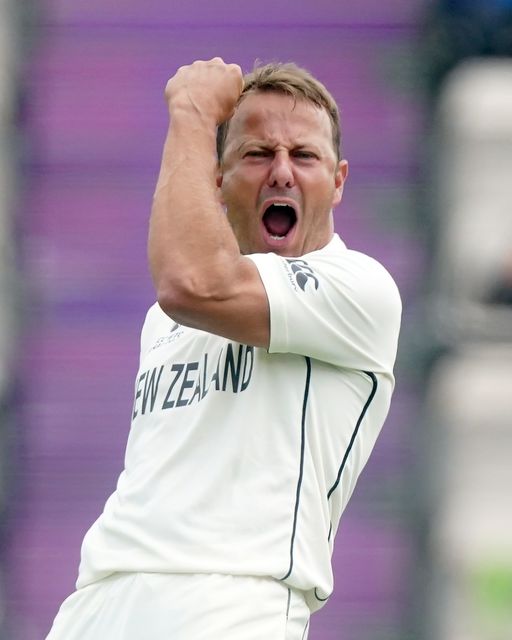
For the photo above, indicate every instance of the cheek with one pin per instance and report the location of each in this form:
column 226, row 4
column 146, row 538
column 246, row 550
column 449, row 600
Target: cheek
column 240, row 191
column 322, row 190
column 320, row 203
column 232, row 188
column 229, row 195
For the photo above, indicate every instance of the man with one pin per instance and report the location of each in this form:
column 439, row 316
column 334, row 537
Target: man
column 265, row 375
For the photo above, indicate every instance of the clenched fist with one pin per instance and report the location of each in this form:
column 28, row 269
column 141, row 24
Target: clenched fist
column 209, row 89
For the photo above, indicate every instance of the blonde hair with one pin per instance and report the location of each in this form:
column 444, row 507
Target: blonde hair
column 292, row 80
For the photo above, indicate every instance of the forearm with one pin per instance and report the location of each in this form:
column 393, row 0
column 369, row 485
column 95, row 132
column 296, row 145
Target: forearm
column 191, row 245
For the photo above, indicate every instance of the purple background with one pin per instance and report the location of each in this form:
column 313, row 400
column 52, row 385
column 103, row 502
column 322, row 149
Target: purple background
column 95, row 124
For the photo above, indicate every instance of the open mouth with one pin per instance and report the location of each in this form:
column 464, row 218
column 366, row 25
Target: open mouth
column 279, row 219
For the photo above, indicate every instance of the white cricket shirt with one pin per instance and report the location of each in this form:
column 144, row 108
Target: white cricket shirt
column 240, row 461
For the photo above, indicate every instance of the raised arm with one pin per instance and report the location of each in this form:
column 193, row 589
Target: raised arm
column 200, row 276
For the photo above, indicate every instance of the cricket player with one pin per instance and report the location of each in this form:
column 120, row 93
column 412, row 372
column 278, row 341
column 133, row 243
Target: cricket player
column 266, row 372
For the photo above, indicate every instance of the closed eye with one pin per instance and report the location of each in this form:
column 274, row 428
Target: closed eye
column 257, row 153
column 304, row 155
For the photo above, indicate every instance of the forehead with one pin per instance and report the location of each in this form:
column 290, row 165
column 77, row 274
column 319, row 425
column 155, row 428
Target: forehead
column 277, row 117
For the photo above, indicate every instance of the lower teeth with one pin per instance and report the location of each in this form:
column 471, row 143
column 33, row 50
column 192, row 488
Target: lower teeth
column 277, row 237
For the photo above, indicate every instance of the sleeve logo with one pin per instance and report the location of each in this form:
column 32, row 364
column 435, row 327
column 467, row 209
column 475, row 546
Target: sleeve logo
column 302, row 273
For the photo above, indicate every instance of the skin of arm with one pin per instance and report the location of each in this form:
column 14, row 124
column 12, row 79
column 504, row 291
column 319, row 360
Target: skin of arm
column 201, row 278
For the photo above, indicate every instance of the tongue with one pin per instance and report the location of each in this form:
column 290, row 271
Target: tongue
column 277, row 221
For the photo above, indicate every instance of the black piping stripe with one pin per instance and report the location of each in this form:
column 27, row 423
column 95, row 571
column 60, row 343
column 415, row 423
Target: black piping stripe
column 375, row 385
column 321, row 599
column 373, row 378
column 301, row 468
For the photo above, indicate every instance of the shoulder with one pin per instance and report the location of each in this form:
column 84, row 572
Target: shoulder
column 353, row 272
column 337, row 254
column 361, row 296
column 334, row 270
column 334, row 304
column 369, row 273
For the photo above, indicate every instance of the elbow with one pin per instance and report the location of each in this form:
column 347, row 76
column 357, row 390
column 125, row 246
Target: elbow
column 174, row 302
column 186, row 301
column 173, row 293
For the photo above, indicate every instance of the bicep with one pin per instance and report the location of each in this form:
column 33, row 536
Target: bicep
column 237, row 308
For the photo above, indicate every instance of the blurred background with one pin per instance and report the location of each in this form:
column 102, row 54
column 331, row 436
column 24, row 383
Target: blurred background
column 424, row 550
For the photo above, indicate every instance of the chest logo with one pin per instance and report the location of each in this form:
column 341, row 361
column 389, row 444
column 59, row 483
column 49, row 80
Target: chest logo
column 175, row 332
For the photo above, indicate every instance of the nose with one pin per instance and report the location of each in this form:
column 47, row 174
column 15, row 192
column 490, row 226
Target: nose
column 281, row 171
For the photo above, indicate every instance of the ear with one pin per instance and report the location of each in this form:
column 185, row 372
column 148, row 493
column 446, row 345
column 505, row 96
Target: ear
column 339, row 181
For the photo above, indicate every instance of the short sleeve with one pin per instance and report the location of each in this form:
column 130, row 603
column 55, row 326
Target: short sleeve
column 335, row 305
